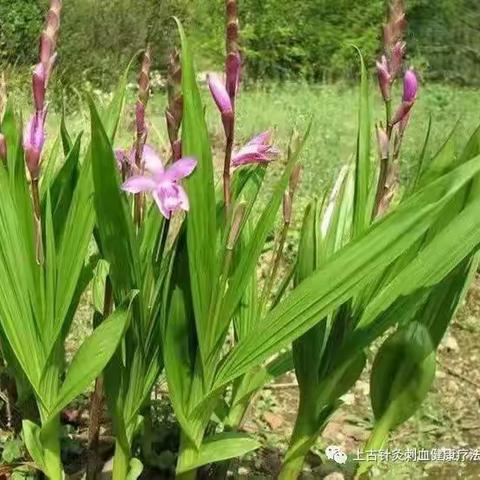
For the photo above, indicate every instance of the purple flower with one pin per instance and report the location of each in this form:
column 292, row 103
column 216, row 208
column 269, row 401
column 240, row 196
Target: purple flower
column 38, row 84
column 223, row 101
column 33, row 141
column 384, row 78
column 410, row 86
column 220, row 94
column 257, row 150
column 410, row 89
column 162, row 183
column 233, row 66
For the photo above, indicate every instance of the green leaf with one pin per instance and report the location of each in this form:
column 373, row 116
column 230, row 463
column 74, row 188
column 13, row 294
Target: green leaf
column 245, row 267
column 361, row 213
column 179, row 342
column 31, row 436
column 345, row 274
column 114, row 220
column 201, row 219
column 135, row 469
column 222, row 447
column 98, row 285
column 402, row 374
column 12, row 450
column 429, row 267
column 72, row 249
column 65, row 136
column 63, row 187
column 91, row 358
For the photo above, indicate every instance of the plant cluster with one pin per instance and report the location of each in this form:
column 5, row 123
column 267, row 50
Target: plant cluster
column 169, row 251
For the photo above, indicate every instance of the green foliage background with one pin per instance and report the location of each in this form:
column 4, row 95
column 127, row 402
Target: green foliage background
column 310, row 39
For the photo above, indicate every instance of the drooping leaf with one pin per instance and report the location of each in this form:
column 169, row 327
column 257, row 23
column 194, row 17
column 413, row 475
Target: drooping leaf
column 222, row 447
column 402, row 373
column 91, row 358
column 347, row 272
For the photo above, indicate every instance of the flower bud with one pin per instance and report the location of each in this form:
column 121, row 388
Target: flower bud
column 394, row 30
column 384, row 78
column 233, row 73
column 3, row 147
column 382, row 142
column 38, row 86
column 237, row 222
column 140, row 118
column 222, row 99
column 219, row 94
column 396, row 61
column 33, row 141
column 410, row 86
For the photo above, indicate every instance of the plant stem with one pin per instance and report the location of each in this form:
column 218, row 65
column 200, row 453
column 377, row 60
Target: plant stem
column 121, row 461
column 186, row 456
column 97, row 399
column 304, row 435
column 37, row 212
column 227, row 194
column 267, row 289
column 388, row 117
column 376, row 441
column 52, row 451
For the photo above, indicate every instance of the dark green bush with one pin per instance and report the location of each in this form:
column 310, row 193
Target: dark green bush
column 20, row 24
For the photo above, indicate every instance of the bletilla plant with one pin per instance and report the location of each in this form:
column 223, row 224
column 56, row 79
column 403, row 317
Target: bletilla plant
column 174, row 280
column 330, row 357
column 44, row 240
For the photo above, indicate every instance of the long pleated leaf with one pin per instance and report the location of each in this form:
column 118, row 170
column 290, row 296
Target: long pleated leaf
column 348, row 271
column 201, row 219
column 114, row 220
column 361, row 217
column 91, row 358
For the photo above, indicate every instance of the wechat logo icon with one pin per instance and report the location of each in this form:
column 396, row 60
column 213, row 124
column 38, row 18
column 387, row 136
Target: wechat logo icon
column 336, row 454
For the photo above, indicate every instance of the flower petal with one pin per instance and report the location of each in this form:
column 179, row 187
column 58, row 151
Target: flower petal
column 180, row 169
column 219, row 93
column 153, row 162
column 139, row 183
column 261, row 139
column 184, row 202
column 159, row 202
column 410, row 86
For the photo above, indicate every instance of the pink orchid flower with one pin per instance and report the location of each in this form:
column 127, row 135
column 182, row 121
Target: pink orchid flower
column 33, row 141
column 162, row 183
column 257, row 150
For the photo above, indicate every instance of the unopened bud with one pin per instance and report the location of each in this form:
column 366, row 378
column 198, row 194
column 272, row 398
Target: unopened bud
column 237, row 222
column 38, row 86
column 396, row 61
column 144, row 78
column 384, row 78
column 382, row 142
column 3, row 147
column 287, row 207
column 410, row 89
column 394, row 30
column 294, row 179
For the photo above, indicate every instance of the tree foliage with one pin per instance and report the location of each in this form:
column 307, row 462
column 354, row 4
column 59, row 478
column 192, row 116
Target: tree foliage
column 309, row 39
